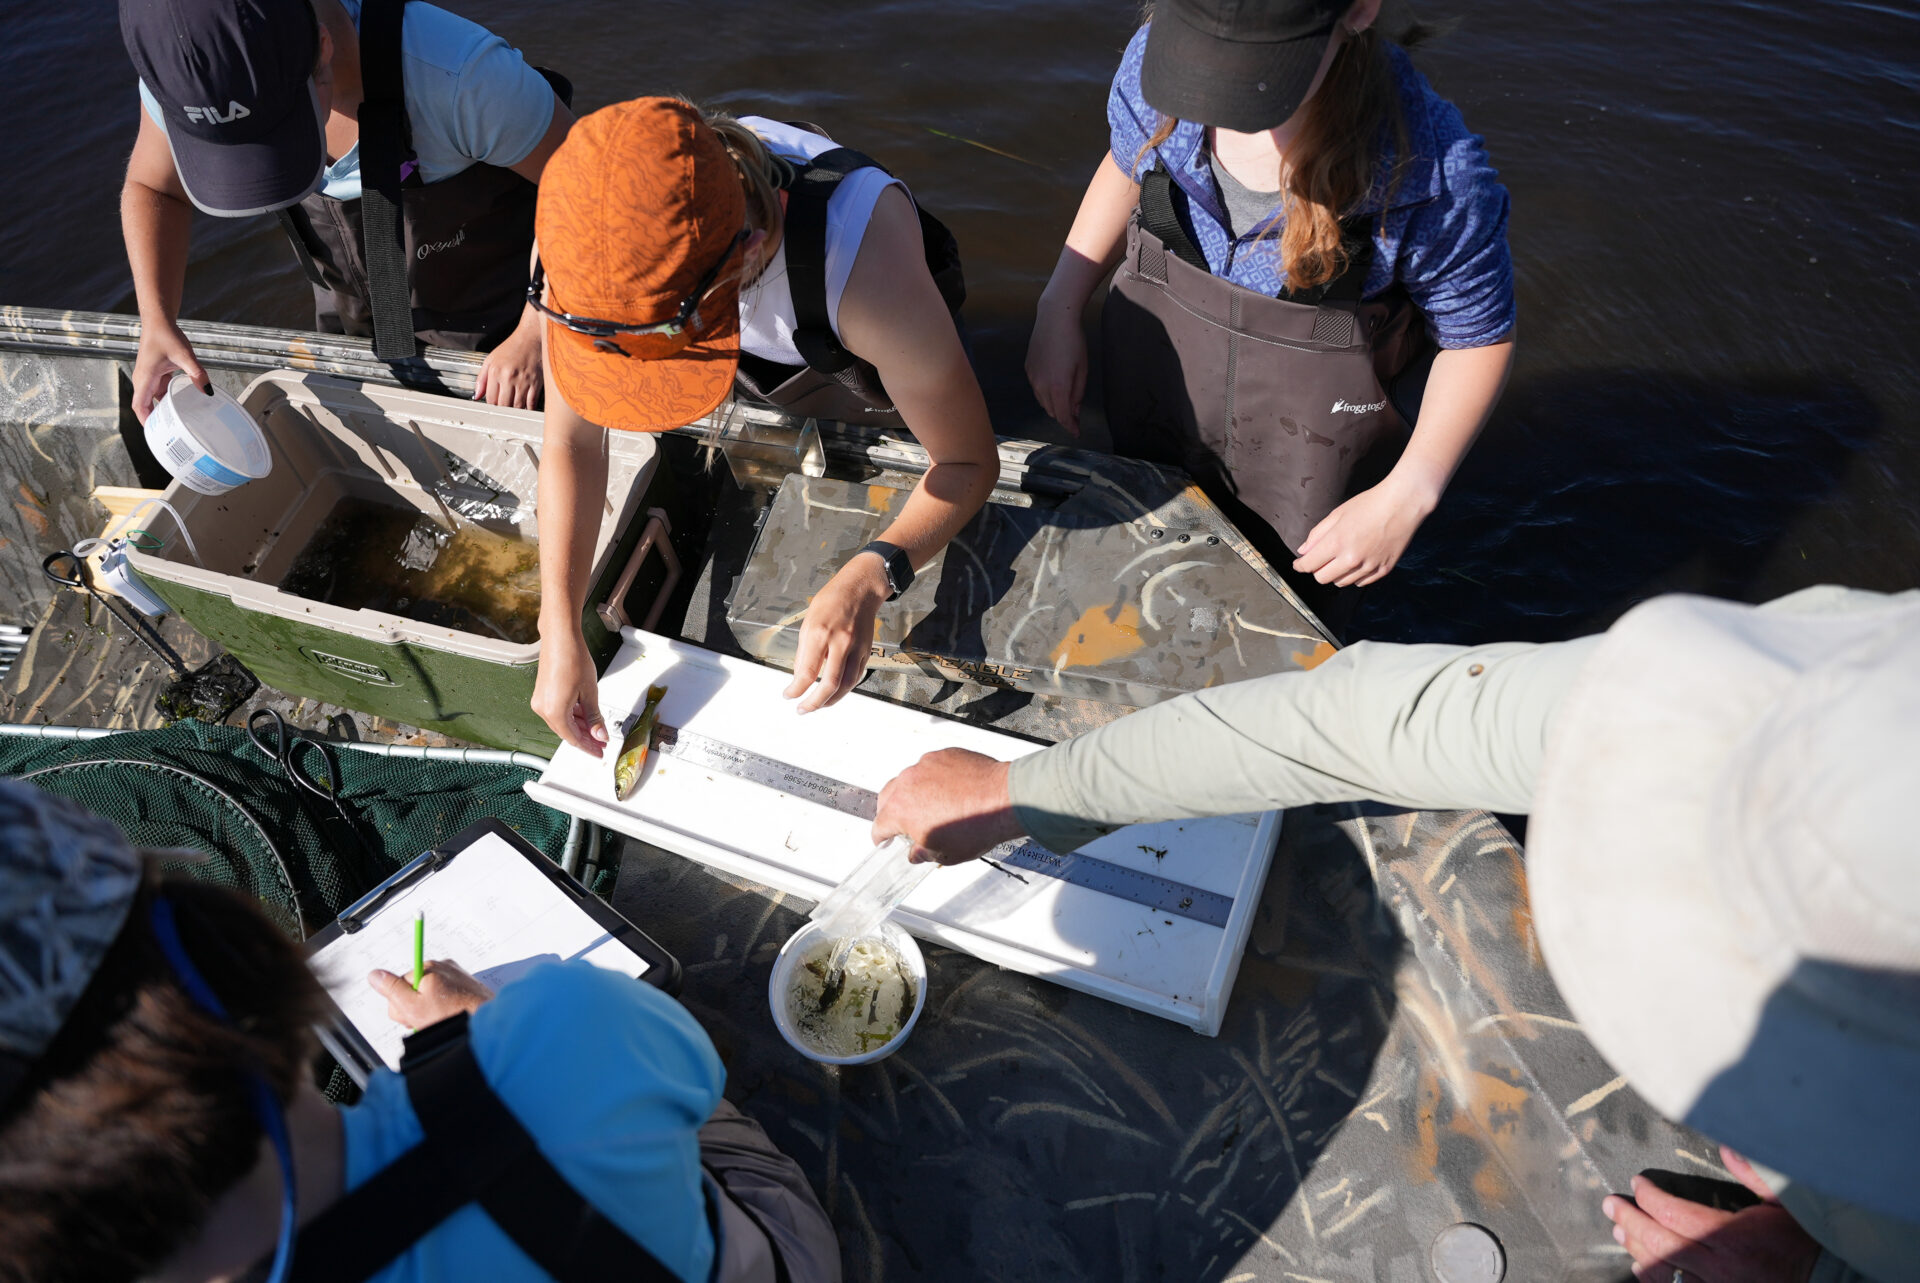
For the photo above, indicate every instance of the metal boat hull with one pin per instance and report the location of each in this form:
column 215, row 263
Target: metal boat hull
column 1395, row 1058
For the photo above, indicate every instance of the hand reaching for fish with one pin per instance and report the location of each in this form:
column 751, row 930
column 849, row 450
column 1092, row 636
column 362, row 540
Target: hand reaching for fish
column 566, row 693
column 837, row 634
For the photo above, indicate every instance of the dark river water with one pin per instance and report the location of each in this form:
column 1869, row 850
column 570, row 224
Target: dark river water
column 1716, row 227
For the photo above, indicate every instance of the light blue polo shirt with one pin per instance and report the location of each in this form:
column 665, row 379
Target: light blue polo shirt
column 471, row 99
column 613, row 1079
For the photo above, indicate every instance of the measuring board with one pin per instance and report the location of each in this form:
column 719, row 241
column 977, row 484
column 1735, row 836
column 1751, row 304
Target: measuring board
column 743, row 784
column 1115, row 880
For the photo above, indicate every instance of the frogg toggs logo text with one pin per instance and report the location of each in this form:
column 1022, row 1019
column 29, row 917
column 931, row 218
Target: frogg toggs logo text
column 214, row 116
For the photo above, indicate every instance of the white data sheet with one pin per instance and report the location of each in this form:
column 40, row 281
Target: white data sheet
column 488, row 909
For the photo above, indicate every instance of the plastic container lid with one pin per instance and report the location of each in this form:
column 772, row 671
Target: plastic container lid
column 209, row 443
column 876, row 887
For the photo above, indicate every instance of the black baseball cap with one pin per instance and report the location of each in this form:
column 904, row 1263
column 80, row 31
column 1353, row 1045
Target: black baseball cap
column 1244, row 65
column 234, row 81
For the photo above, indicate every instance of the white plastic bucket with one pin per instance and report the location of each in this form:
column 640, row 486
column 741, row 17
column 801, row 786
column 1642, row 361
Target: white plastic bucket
column 781, row 982
column 209, row 443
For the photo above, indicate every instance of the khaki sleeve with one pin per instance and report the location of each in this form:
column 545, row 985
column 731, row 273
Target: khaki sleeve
column 1434, row 727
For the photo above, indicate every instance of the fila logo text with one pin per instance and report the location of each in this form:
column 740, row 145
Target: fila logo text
column 213, row 116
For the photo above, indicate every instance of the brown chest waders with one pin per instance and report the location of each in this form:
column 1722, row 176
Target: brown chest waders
column 1275, row 406
column 834, row 383
column 444, row 263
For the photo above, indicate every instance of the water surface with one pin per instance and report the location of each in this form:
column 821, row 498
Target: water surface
column 1715, row 229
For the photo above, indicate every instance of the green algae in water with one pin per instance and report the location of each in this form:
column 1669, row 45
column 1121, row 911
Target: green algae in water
column 369, row 555
column 870, row 1007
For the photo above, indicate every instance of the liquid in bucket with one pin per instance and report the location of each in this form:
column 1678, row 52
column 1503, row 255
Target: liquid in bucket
column 369, row 555
column 856, row 1010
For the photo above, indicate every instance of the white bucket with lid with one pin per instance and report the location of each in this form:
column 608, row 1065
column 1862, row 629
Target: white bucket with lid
column 209, row 443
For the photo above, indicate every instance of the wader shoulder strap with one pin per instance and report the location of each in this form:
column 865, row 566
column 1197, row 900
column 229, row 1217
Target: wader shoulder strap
column 299, row 229
column 384, row 150
column 1158, row 215
column 806, row 236
column 475, row 1150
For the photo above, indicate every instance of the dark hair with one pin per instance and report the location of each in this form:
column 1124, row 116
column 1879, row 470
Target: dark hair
column 137, row 1119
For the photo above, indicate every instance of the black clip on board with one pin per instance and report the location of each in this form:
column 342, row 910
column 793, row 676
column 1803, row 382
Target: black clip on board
column 351, row 1047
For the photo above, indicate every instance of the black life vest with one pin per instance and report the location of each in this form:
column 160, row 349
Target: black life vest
column 834, row 383
column 442, row 263
column 476, row 1151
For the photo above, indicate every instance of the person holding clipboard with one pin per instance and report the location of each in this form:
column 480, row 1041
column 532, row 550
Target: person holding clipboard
column 157, row 1118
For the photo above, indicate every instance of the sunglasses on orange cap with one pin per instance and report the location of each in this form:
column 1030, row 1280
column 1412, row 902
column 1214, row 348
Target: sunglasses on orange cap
column 686, row 317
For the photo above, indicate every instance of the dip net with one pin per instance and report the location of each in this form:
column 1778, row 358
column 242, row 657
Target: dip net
column 207, row 788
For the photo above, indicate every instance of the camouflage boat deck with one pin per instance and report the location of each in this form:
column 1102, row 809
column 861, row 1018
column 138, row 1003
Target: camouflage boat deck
column 1395, row 1059
column 1130, row 591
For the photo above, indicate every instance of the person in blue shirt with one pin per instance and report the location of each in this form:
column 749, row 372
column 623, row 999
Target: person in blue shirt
column 257, row 106
column 158, row 1118
column 1304, row 232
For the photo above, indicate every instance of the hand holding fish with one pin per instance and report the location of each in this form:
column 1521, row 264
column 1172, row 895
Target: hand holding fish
column 951, row 804
column 1662, row 1233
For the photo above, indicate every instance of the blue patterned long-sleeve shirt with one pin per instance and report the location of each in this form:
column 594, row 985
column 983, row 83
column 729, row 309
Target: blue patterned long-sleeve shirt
column 1443, row 236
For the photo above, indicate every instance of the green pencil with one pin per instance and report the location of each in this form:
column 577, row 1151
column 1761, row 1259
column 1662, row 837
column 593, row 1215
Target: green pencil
column 419, row 948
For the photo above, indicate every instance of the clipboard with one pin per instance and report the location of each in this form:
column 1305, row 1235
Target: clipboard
column 494, row 904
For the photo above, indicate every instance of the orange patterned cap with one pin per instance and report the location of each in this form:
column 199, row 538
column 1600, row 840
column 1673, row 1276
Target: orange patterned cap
column 637, row 207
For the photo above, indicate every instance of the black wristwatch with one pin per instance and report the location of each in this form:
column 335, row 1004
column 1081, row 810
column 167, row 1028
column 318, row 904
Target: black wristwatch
column 899, row 569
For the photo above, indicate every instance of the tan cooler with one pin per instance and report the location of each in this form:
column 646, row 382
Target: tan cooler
column 373, row 490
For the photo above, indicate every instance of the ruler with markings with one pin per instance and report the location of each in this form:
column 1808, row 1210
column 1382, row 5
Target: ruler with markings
column 1090, row 872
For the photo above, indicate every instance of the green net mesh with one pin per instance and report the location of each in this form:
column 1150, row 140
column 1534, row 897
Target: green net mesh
column 207, row 788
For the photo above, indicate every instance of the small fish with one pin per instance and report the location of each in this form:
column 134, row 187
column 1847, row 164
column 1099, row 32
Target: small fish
column 633, row 749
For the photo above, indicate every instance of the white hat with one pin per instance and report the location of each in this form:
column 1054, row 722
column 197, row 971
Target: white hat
column 1726, row 877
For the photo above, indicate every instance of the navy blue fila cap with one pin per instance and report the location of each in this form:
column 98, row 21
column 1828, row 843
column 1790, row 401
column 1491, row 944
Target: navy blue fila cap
column 234, row 83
